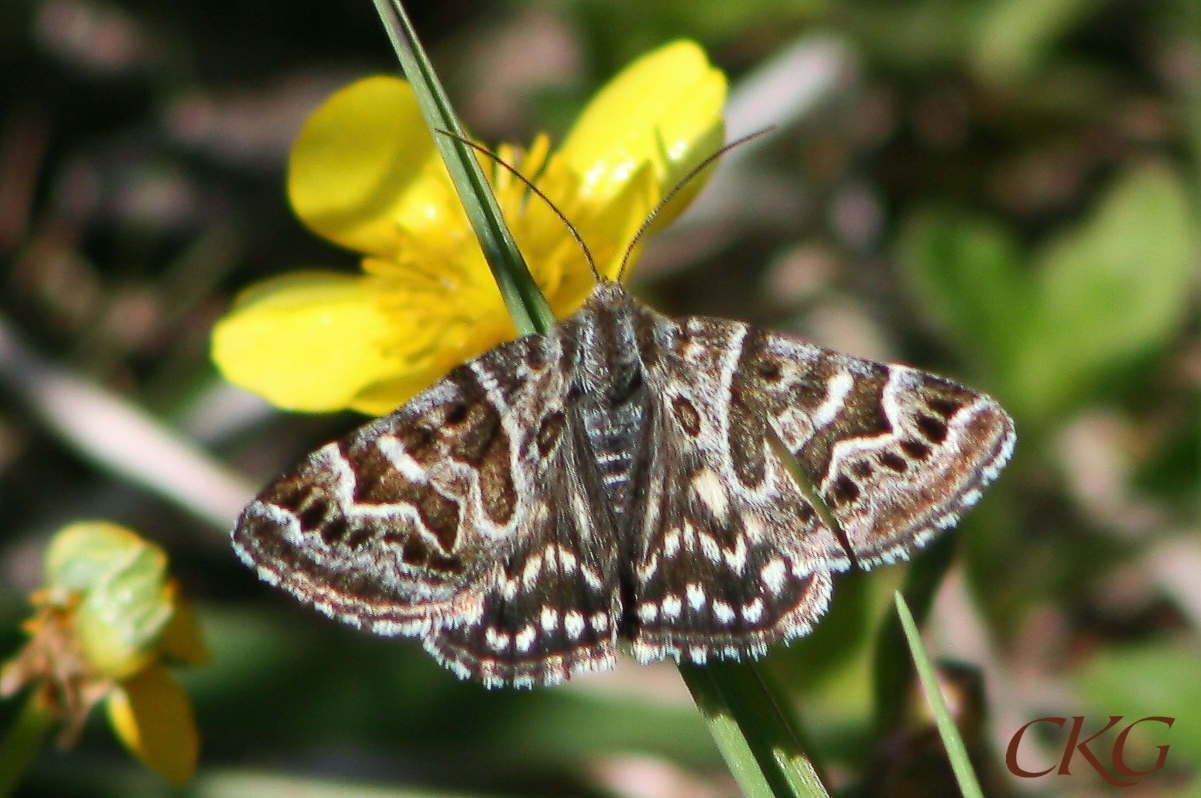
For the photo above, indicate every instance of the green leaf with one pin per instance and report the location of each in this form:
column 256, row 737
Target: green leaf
column 247, row 783
column 1015, row 37
column 524, row 301
column 967, row 274
column 1115, row 288
column 1160, row 678
column 23, row 741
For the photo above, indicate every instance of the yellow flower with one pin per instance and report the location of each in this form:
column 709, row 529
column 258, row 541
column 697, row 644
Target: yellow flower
column 365, row 174
column 108, row 620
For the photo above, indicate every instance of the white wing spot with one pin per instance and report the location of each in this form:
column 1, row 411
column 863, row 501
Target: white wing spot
column 709, row 547
column 687, row 536
column 773, row 574
column 708, row 487
column 549, row 619
column 573, row 624
column 671, row 606
column 487, row 674
column 472, row 613
column 837, row 388
column 753, row 612
column 736, row 557
column 497, row 641
column 533, row 566
column 270, row 577
column 723, row 611
column 392, row 449
column 696, row 595
column 698, row 655
column 648, row 611
column 591, row 577
column 567, row 561
column 648, row 569
column 525, row 638
column 671, row 543
column 600, row 622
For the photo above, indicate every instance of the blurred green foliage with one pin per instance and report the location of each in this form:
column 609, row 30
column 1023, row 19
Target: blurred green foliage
column 1046, row 328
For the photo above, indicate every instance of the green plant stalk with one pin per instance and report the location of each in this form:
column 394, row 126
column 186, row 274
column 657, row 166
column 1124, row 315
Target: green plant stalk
column 892, row 669
column 744, row 715
column 753, row 730
column 969, row 785
column 526, row 305
column 23, row 742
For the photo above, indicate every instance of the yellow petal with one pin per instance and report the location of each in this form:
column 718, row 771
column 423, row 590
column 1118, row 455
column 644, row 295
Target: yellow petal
column 608, row 228
column 182, row 640
column 354, row 160
column 308, row 340
column 366, row 174
column 665, row 109
column 153, row 716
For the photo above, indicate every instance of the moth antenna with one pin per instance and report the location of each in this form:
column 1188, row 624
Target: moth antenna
column 696, row 170
column 530, row 185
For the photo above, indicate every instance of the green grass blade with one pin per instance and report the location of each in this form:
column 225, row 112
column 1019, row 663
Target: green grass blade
column 753, row 730
column 892, row 669
column 969, row 785
column 524, row 301
column 23, row 742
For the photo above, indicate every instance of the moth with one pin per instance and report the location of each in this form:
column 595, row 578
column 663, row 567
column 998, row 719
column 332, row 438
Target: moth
column 624, row 477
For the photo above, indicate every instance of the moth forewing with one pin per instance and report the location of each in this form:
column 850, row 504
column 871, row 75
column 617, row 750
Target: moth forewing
column 617, row 477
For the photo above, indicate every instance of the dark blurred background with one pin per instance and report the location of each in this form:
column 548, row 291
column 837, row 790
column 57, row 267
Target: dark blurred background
column 1004, row 191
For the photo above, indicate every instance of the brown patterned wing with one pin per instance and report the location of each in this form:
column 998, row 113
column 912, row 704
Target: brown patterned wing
column 730, row 555
column 454, row 521
column 895, row 453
